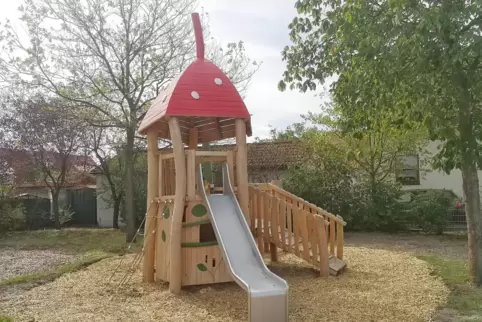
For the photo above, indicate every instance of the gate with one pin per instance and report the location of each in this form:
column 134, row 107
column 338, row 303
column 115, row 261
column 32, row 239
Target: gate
column 83, row 203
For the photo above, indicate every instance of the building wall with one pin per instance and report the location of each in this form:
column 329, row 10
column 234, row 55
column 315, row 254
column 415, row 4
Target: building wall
column 434, row 179
column 105, row 210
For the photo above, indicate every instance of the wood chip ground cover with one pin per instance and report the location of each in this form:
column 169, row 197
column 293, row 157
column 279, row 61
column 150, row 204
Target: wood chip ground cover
column 378, row 286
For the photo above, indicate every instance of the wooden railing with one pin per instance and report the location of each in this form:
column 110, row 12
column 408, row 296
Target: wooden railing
column 297, row 222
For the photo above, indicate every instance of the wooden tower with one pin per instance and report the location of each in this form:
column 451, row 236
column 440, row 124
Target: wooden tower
column 200, row 105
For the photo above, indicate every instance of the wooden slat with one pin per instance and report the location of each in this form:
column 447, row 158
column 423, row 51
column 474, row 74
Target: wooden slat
column 212, row 159
column 252, row 209
column 259, row 222
column 339, row 241
column 266, row 220
column 310, row 220
column 167, row 156
column 274, row 221
column 282, row 224
column 211, row 154
column 332, row 236
column 289, row 208
column 304, row 234
column 296, row 230
column 322, row 246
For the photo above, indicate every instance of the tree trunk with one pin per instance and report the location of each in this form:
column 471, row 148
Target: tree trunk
column 470, row 182
column 129, row 186
column 115, row 218
column 55, row 209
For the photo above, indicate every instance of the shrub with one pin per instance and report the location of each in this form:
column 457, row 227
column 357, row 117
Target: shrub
column 376, row 207
column 12, row 216
column 429, row 210
column 65, row 215
column 330, row 183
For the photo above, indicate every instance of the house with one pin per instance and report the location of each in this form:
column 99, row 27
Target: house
column 417, row 172
column 19, row 169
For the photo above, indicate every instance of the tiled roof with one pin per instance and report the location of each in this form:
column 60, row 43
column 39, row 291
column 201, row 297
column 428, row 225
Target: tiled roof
column 21, row 164
column 265, row 155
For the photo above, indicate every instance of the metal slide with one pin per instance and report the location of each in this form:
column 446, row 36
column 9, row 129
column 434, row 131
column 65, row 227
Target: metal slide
column 268, row 293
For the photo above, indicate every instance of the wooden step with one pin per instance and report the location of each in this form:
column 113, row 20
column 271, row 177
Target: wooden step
column 336, row 265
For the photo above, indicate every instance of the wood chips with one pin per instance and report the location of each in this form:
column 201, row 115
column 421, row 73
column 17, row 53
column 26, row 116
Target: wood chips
column 378, row 285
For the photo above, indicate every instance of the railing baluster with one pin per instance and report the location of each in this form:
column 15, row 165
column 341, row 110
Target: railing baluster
column 332, row 236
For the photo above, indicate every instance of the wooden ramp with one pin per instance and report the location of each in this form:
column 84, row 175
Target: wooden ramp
column 335, row 264
column 280, row 220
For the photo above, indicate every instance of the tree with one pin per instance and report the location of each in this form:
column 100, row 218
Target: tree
column 113, row 57
column 52, row 138
column 417, row 61
column 103, row 144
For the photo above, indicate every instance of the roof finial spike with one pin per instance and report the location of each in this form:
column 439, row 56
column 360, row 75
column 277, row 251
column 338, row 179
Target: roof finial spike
column 198, row 33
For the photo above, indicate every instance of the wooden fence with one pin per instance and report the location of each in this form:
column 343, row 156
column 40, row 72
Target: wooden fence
column 279, row 219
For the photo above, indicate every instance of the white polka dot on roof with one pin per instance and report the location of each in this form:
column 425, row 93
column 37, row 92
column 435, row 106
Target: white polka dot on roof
column 218, row 81
column 195, row 95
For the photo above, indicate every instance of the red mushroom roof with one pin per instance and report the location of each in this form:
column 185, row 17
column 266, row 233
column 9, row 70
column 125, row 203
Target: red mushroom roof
column 202, row 96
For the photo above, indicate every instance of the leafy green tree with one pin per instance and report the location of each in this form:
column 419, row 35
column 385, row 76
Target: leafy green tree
column 415, row 61
column 111, row 57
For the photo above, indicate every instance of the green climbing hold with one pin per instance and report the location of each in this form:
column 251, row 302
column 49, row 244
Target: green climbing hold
column 199, row 210
column 202, row 267
column 163, row 236
column 166, row 212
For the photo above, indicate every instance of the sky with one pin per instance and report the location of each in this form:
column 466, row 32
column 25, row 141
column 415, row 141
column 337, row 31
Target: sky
column 263, row 27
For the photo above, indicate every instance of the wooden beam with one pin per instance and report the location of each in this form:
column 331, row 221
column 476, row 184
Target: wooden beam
column 175, row 271
column 242, row 166
column 211, row 154
column 152, row 194
column 218, row 127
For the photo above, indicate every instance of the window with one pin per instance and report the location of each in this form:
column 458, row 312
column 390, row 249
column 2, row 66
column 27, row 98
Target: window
column 408, row 170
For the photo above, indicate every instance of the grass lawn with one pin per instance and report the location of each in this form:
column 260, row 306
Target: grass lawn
column 464, row 299
column 75, row 240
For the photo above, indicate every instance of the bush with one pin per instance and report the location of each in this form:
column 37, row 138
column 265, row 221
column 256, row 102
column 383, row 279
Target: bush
column 429, row 210
column 12, row 216
column 330, row 183
column 376, row 207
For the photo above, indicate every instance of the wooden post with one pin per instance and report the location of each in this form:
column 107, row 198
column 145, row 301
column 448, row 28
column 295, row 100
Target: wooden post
column 151, row 220
column 180, row 193
column 242, row 166
column 322, row 246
